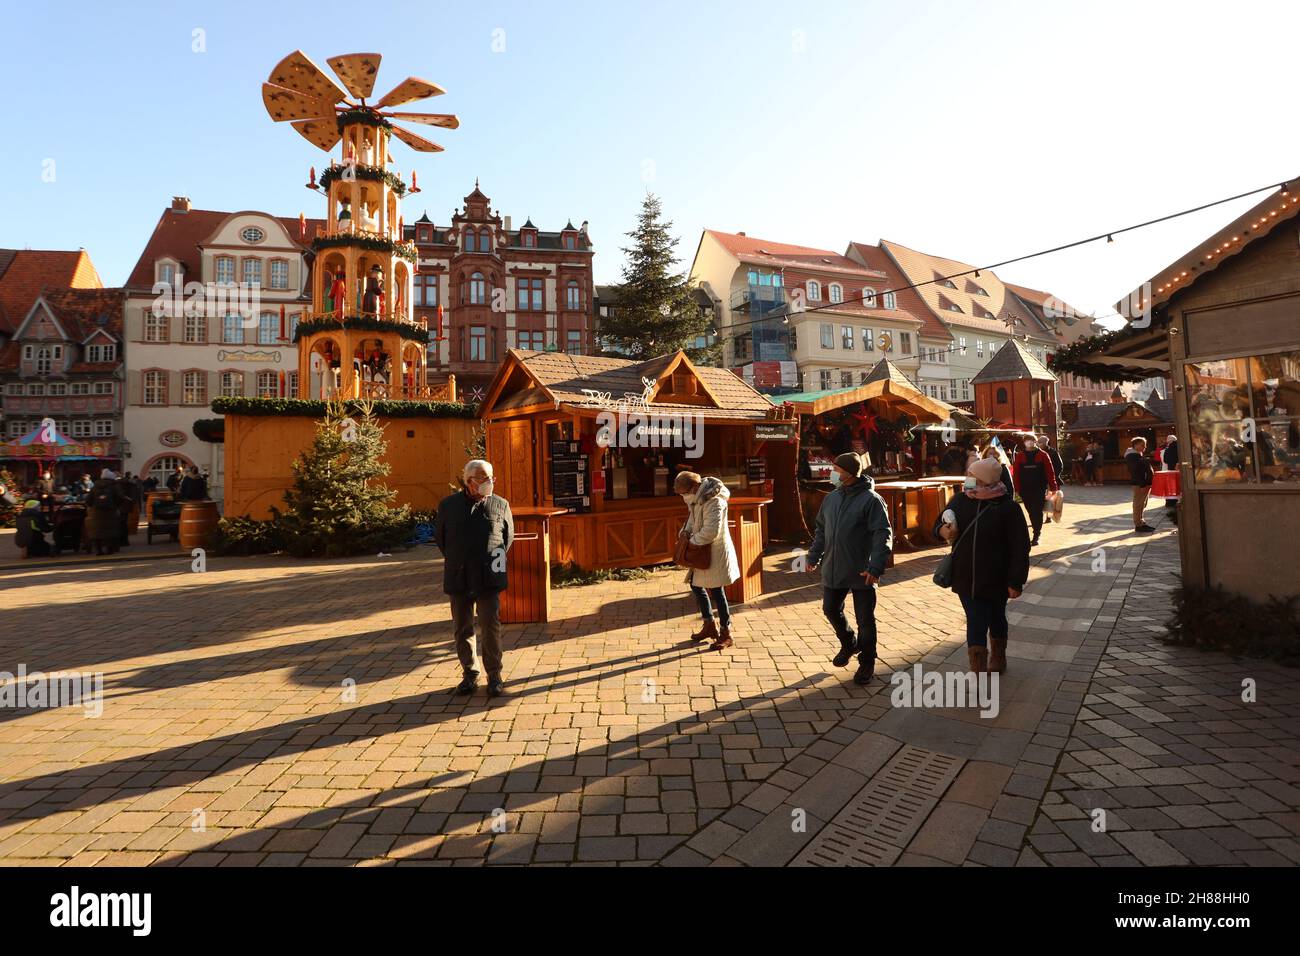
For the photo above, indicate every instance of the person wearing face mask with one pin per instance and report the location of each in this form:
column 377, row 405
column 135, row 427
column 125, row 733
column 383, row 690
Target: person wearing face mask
column 990, row 560
column 706, row 499
column 1034, row 476
column 851, row 546
column 474, row 530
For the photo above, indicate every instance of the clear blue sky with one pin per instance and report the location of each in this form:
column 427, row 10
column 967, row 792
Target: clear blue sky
column 978, row 131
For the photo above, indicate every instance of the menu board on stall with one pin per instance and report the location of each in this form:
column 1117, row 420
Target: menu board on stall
column 756, row 469
column 570, row 487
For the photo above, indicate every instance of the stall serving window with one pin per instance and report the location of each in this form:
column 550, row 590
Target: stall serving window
column 1244, row 417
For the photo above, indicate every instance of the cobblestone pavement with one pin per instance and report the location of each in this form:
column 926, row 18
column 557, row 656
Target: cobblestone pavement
column 272, row 712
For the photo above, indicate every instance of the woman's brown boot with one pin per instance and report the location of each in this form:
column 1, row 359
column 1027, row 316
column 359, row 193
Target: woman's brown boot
column 997, row 654
column 979, row 658
column 708, row 632
column 723, row 642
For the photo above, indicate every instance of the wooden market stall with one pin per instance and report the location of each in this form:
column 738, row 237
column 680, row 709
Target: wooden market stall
column 880, row 418
column 1220, row 323
column 1113, row 427
column 603, row 439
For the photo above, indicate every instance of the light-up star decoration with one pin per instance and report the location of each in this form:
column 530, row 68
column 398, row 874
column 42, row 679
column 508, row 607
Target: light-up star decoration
column 864, row 424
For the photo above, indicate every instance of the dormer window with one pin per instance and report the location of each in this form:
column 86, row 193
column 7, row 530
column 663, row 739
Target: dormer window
column 836, row 292
column 570, row 240
column 167, row 272
column 890, row 301
column 529, row 238
column 869, row 298
column 422, row 234
column 814, row 289
column 252, row 235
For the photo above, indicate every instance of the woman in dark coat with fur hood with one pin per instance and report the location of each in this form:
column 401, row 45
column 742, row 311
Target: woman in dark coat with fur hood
column 990, row 561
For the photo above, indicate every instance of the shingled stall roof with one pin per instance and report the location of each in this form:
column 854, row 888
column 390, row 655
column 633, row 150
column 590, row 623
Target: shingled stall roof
column 902, row 396
column 1101, row 418
column 1013, row 362
column 531, row 380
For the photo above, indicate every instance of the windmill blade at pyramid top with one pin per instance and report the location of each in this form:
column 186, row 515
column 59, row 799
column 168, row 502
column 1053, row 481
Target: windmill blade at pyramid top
column 416, row 142
column 409, row 90
column 357, row 71
column 445, row 120
column 322, row 133
column 297, row 72
column 285, row 104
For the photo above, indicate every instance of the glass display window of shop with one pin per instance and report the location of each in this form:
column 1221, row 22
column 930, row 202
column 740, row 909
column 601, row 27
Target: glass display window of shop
column 1244, row 417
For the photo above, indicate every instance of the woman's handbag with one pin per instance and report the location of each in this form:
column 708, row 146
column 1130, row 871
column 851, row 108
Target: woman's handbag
column 687, row 555
column 943, row 573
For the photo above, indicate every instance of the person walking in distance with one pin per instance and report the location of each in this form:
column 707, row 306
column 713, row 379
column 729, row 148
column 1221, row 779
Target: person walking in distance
column 1170, row 463
column 990, row 562
column 851, row 546
column 474, row 530
column 1139, row 476
column 706, row 524
column 1034, row 477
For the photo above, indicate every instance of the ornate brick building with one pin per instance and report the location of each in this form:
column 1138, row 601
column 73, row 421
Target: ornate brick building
column 486, row 287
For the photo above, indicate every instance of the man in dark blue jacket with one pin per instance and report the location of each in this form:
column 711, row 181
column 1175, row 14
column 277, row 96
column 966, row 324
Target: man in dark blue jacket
column 851, row 546
column 474, row 530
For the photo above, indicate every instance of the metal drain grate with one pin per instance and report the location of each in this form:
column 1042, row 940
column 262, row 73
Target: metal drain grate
column 882, row 818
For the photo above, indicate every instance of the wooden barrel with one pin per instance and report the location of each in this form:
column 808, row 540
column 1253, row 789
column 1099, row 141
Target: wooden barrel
column 198, row 521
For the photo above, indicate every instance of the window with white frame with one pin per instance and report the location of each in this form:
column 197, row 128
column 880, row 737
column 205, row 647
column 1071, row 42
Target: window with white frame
column 44, row 361
column 155, row 327
column 36, row 388
column 226, row 270
column 292, row 385
column 268, row 329
column 846, row 379
column 279, row 274
column 104, row 427
column 58, row 388
column 846, row 336
column 79, row 388
column 194, row 388
column 29, row 352
column 14, row 388
column 253, row 271
column 155, row 388
column 961, row 343
column 104, row 388
column 828, row 335
column 533, row 340
column 836, row 292
column 232, row 384
column 17, row 429
column 573, row 296
column 232, row 330
column 825, row 377
column 814, row 290
column 869, row 297
column 196, row 329
column 268, row 385
column 890, row 301
column 906, row 339
column 81, row 428
column 979, row 348
column 166, row 272
column 101, row 353
column 868, row 340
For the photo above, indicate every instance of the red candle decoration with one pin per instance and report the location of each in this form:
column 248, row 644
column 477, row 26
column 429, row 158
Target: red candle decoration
column 302, row 225
column 282, row 380
column 282, row 329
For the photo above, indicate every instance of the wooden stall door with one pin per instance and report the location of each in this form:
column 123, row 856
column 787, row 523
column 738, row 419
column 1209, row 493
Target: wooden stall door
column 514, row 473
column 747, row 538
column 528, row 566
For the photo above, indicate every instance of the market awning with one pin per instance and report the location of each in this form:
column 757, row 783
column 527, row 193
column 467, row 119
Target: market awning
column 889, row 392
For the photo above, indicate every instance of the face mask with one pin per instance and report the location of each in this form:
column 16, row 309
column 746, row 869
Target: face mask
column 689, row 498
column 970, row 483
column 835, row 478
column 484, row 488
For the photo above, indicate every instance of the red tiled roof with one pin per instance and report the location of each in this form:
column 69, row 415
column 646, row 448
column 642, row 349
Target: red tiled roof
column 764, row 252
column 906, row 299
column 921, row 267
column 178, row 235
column 9, row 357
column 29, row 271
column 81, row 312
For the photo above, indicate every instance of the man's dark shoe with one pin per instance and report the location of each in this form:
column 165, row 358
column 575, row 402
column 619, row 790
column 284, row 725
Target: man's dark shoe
column 845, row 654
column 466, row 685
column 496, row 687
column 1144, row 529
column 866, row 670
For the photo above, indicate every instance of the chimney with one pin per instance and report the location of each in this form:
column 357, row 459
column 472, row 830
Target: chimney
column 583, row 228
column 181, row 203
column 508, row 229
column 741, row 234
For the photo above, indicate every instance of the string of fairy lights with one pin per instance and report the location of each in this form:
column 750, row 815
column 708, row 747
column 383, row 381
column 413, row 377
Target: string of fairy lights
column 784, row 312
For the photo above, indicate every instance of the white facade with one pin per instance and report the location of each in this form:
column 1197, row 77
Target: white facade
column 202, row 347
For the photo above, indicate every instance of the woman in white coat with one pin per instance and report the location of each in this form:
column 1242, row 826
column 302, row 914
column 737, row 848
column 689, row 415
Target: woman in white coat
column 707, row 524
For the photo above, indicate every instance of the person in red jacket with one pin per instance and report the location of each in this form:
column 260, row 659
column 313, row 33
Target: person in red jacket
column 1034, row 476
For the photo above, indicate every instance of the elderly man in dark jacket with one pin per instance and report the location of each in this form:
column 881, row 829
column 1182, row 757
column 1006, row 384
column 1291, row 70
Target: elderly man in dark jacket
column 851, row 546
column 474, row 531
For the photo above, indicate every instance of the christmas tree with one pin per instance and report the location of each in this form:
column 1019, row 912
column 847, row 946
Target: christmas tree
column 655, row 311
column 337, row 505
